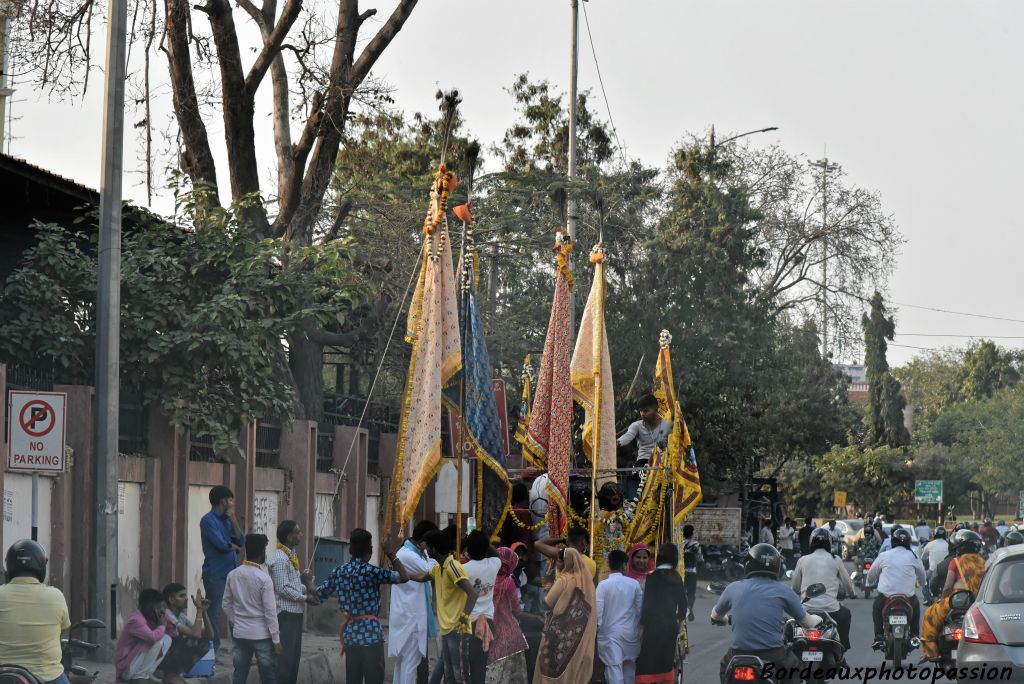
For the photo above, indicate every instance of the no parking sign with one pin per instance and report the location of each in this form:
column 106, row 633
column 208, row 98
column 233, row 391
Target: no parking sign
column 35, row 424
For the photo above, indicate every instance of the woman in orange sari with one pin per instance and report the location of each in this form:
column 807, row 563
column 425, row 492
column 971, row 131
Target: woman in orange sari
column 965, row 572
column 570, row 630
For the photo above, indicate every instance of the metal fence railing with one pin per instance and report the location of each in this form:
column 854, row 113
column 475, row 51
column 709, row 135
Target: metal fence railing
column 201, row 449
column 133, row 425
column 268, row 446
column 380, row 418
column 325, row 450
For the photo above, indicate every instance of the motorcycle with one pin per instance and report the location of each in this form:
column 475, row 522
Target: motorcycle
column 15, row 674
column 896, row 616
column 746, row 668
column 860, row 575
column 820, row 647
column 69, row 644
column 953, row 627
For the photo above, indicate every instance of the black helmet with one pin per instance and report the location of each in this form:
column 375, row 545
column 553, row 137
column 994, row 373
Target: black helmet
column 821, row 539
column 940, row 532
column 26, row 557
column 968, row 541
column 763, row 559
column 900, row 537
column 1012, row 538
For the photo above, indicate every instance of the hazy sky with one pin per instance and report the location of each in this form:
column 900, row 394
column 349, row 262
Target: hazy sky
column 921, row 100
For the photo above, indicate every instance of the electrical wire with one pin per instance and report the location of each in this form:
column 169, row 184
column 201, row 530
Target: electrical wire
column 604, row 93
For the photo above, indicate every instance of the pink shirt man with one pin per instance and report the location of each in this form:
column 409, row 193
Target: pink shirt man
column 250, row 604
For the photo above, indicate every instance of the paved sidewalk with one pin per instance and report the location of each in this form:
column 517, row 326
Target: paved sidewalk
column 321, row 664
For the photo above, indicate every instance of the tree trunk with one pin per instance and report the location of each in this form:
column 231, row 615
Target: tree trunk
column 306, row 361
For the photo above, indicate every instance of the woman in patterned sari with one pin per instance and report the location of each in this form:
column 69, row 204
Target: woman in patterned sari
column 506, row 656
column 965, row 572
column 570, row 630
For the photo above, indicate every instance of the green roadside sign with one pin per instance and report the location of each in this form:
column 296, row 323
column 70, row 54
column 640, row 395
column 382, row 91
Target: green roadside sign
column 928, row 491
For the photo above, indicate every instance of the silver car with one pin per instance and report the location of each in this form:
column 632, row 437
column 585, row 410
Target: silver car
column 993, row 637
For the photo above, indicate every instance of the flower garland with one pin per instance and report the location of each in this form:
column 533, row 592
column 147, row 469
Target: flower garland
column 562, row 248
column 520, row 523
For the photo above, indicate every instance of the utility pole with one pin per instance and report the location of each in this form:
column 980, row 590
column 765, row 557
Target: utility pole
column 570, row 218
column 5, row 86
column 108, row 314
column 826, row 168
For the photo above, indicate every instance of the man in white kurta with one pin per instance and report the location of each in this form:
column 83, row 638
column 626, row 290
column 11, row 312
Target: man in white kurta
column 619, row 599
column 411, row 619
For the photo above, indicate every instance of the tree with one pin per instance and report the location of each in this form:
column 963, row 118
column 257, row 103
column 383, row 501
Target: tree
column 797, row 237
column 204, row 313
column 885, row 402
column 207, row 72
column 875, row 478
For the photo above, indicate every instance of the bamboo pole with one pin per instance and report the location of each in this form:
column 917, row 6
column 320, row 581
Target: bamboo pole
column 598, row 386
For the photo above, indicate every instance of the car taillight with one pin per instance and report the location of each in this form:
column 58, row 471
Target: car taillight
column 976, row 629
column 812, row 634
column 744, row 674
column 958, row 634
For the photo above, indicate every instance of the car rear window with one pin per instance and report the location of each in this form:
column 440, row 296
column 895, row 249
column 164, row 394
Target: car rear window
column 1005, row 583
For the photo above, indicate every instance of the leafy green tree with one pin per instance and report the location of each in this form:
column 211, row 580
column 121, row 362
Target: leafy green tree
column 885, row 402
column 877, row 478
column 205, row 315
column 985, row 369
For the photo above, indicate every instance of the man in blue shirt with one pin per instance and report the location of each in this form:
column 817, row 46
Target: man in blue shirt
column 759, row 605
column 357, row 586
column 222, row 540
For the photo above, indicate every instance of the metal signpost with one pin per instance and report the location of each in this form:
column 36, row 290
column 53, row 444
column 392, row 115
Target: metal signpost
column 35, row 423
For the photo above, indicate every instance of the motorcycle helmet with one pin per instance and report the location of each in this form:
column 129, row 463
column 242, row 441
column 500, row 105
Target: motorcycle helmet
column 940, row 532
column 763, row 559
column 26, row 557
column 969, row 542
column 900, row 537
column 1013, row 538
column 821, row 539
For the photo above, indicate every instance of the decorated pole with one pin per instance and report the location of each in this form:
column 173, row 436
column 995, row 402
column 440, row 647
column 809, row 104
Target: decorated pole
column 597, row 257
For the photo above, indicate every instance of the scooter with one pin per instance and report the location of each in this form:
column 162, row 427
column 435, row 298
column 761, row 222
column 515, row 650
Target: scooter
column 820, row 647
column 953, row 628
column 896, row 616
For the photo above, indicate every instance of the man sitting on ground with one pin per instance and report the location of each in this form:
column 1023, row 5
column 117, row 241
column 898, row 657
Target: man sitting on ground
column 144, row 641
column 190, row 640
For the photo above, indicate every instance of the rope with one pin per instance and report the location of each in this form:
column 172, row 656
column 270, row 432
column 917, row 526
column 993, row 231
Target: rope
column 366, row 406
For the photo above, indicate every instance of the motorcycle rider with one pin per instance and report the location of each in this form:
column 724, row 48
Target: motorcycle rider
column 965, row 572
column 897, row 572
column 32, row 614
column 989, row 534
column 759, row 604
column 932, row 554
column 821, row 567
column 1011, row 538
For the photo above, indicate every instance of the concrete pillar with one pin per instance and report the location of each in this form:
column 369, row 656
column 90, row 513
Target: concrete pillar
column 170, row 447
column 79, row 427
column 150, row 516
column 298, row 456
column 243, row 477
column 353, row 445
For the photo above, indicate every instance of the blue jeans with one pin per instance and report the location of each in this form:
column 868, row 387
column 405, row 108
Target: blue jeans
column 214, row 587
column 63, row 679
column 265, row 660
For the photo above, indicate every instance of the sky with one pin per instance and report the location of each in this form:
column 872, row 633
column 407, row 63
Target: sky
column 922, row 101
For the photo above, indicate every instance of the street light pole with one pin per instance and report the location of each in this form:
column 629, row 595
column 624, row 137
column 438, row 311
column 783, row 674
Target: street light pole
column 108, row 306
column 826, row 167
column 741, row 135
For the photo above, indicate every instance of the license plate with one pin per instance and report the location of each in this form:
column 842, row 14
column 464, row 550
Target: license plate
column 812, row 656
column 952, row 654
column 897, row 619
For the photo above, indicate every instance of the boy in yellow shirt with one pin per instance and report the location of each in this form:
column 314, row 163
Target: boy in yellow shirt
column 455, row 601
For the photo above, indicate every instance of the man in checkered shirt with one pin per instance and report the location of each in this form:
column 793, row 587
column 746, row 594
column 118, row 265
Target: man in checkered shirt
column 293, row 590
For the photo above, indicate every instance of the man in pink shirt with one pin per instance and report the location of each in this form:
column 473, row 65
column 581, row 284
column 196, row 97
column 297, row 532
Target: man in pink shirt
column 251, row 608
column 144, row 641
